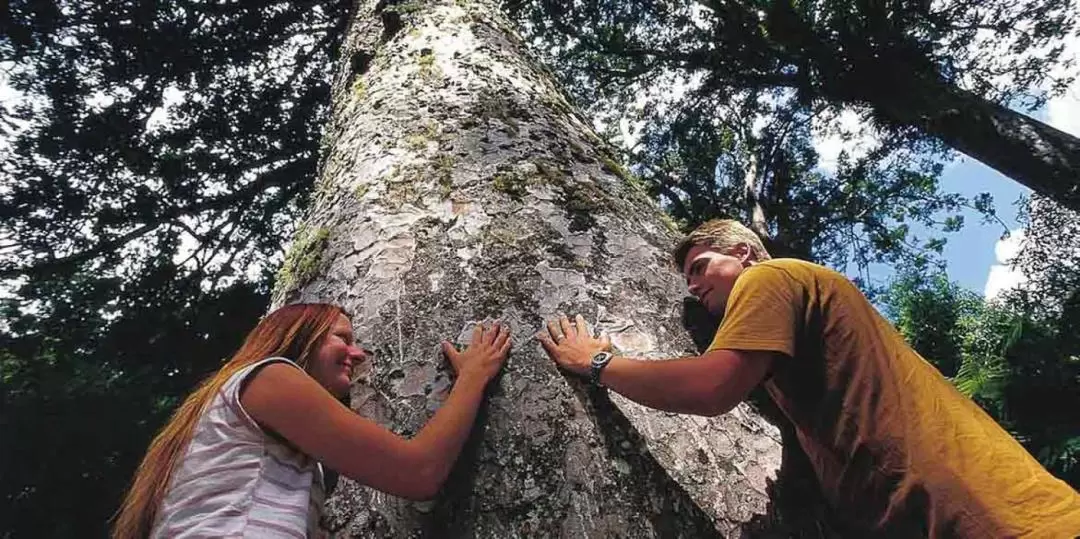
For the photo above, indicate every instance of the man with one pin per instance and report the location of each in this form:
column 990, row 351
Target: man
column 896, row 448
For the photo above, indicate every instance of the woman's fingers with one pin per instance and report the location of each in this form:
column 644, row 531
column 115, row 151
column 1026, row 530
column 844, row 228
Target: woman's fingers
column 553, row 330
column 451, row 353
column 503, row 337
column 477, row 335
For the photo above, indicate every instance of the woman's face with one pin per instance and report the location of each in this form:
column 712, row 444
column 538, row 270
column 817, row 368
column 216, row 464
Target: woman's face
column 334, row 360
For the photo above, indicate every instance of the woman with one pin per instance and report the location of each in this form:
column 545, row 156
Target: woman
column 241, row 455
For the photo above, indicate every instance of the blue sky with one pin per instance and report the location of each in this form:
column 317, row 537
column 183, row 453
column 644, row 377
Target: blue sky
column 976, row 257
column 970, row 253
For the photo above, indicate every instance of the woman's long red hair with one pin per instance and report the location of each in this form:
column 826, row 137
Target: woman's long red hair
column 293, row 332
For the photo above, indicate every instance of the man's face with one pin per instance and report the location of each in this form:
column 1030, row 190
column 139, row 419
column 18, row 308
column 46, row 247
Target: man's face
column 710, row 274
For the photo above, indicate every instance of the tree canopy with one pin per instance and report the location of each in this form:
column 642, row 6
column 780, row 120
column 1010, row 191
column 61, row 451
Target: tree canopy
column 944, row 71
column 188, row 130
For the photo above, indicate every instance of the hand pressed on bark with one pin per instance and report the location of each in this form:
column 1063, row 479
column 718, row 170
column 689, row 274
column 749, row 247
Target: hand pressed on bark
column 571, row 344
column 286, row 400
column 709, row 384
column 485, row 354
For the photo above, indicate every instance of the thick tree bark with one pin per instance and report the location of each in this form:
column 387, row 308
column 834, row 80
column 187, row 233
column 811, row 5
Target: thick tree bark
column 1037, row 155
column 458, row 185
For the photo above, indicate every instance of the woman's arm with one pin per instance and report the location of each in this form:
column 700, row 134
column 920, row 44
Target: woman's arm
column 294, row 405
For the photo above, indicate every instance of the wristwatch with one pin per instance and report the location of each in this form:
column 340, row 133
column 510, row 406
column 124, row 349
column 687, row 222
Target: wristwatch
column 599, row 361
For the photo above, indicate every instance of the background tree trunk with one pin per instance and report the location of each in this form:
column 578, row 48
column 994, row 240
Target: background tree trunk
column 458, row 185
column 1043, row 158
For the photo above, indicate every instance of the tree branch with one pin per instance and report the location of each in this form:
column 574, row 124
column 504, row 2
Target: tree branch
column 50, row 265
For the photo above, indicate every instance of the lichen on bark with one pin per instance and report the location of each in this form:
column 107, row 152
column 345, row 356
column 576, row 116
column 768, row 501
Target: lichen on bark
column 303, row 258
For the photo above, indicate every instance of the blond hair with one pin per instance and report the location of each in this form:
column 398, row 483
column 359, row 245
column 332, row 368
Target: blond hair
column 720, row 234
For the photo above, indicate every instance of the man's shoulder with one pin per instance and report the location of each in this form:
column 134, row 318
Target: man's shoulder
column 794, row 268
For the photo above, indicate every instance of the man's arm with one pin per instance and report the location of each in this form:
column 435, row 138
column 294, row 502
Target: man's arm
column 710, row 384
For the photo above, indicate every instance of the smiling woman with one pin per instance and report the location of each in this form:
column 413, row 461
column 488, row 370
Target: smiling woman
column 332, row 365
column 244, row 453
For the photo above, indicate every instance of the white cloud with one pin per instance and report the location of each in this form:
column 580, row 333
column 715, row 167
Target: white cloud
column 1002, row 275
column 1063, row 112
column 9, row 99
column 835, row 133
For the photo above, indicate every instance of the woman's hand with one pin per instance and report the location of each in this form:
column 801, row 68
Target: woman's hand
column 290, row 402
column 485, row 354
column 572, row 345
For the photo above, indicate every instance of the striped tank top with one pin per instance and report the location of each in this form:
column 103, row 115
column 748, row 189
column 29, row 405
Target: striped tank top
column 236, row 480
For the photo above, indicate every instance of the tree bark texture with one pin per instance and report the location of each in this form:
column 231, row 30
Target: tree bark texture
column 458, row 185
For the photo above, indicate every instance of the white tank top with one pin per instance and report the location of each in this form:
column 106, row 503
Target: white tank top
column 235, row 480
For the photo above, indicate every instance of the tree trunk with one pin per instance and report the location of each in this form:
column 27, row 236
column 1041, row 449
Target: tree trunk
column 753, row 178
column 458, row 185
column 1041, row 157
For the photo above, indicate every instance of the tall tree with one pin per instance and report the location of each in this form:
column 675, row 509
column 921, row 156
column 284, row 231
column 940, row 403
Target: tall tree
column 159, row 162
column 949, row 70
column 1050, row 260
column 459, row 185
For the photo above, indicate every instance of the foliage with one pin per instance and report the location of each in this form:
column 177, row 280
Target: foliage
column 156, row 157
column 754, row 159
column 824, row 48
column 826, row 51
column 1050, row 258
column 1020, row 366
column 720, row 105
column 191, row 127
column 82, row 392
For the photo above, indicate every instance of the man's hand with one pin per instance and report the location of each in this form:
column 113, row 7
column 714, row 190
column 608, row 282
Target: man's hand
column 572, row 345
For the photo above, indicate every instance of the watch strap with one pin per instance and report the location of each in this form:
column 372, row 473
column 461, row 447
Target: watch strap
column 599, row 361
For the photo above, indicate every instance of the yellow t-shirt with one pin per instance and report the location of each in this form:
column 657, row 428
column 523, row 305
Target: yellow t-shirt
column 897, row 449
